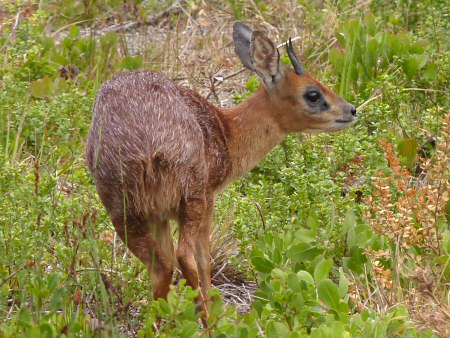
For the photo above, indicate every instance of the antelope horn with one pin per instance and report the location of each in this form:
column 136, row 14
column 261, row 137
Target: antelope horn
column 294, row 59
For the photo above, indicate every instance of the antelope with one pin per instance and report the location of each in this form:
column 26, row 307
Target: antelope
column 159, row 152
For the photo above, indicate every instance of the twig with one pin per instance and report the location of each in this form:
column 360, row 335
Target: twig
column 13, row 274
column 186, row 13
column 153, row 19
column 191, row 75
column 262, row 216
column 220, row 271
column 362, row 106
column 13, row 30
column 221, row 80
column 186, row 45
column 119, row 27
column 97, row 269
column 285, row 42
column 67, row 26
column 354, row 8
column 424, row 90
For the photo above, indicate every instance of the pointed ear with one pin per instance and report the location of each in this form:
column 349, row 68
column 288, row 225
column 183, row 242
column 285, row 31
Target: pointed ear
column 264, row 58
column 242, row 35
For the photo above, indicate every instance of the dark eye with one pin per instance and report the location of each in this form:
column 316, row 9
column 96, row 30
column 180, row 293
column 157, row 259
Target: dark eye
column 313, row 96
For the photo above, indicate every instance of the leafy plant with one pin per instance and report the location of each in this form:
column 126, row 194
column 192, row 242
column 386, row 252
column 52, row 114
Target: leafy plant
column 342, row 235
column 369, row 52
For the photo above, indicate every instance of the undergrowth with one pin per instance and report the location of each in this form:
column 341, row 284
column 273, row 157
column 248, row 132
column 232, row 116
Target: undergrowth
column 343, row 234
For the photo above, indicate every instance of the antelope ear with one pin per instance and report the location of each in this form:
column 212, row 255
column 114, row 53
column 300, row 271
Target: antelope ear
column 242, row 35
column 265, row 58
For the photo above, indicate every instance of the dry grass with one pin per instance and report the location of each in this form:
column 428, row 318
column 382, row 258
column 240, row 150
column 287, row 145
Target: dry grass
column 195, row 49
column 408, row 211
column 192, row 44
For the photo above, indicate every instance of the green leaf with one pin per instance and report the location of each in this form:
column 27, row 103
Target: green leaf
column 343, row 284
column 418, row 47
column 305, row 236
column 362, row 232
column 108, row 41
column 430, row 71
column 338, row 330
column 53, row 282
column 446, row 237
column 164, row 306
column 46, row 330
column 337, row 59
column 351, row 238
column 262, row 264
column 74, row 32
column 372, row 47
column 329, row 294
column 354, row 73
column 188, row 329
column 47, row 87
column 293, row 282
column 252, row 83
column 357, row 259
column 228, row 330
column 322, row 270
column 329, row 229
column 349, row 221
column 131, row 63
column 447, row 212
column 172, row 300
column 278, row 273
column 277, row 258
column 405, row 40
column 42, row 88
column 222, row 335
column 369, row 21
column 313, row 222
column 444, row 262
column 281, row 329
column 305, row 276
column 258, row 306
column 341, row 37
column 297, row 301
column 414, row 63
column 394, row 45
column 303, row 251
column 343, row 311
column 407, row 148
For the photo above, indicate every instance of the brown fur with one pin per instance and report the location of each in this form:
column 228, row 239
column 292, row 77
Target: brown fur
column 158, row 151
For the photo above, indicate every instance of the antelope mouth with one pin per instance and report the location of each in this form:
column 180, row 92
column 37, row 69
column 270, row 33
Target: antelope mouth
column 345, row 121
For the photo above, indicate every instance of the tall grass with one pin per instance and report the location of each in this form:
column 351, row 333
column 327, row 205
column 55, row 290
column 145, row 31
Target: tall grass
column 350, row 236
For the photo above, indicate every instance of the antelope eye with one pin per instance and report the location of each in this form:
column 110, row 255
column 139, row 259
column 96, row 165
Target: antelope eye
column 313, row 96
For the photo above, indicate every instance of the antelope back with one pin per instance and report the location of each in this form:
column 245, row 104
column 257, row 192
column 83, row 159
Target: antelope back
column 147, row 144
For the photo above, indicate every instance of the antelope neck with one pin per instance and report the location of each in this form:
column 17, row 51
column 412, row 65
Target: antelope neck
column 253, row 132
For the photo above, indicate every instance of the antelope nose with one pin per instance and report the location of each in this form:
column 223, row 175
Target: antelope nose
column 353, row 111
